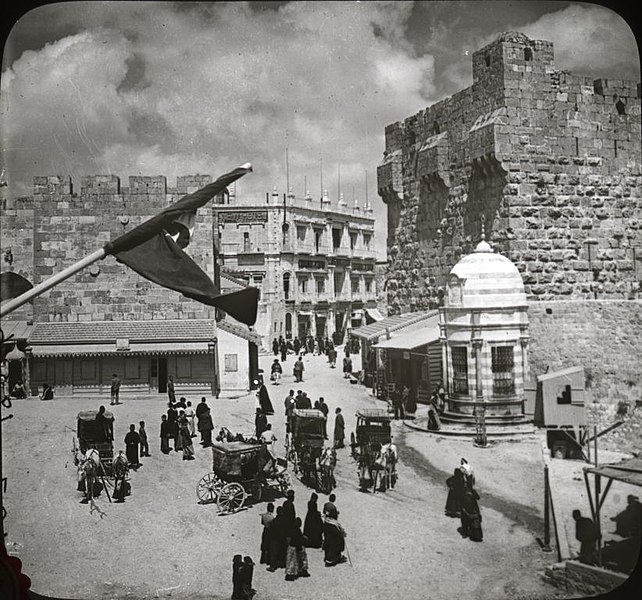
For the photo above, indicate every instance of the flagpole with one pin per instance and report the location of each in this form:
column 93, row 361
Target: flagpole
column 54, row 280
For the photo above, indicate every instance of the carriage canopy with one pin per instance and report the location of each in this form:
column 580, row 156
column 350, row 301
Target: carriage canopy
column 373, row 414
column 232, row 460
column 307, row 426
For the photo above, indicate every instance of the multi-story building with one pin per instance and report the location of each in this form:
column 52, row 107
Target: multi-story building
column 314, row 261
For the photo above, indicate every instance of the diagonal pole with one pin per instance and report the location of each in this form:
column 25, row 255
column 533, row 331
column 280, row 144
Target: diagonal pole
column 54, row 280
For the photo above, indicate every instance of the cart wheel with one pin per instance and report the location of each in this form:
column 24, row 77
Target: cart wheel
column 284, row 483
column 208, row 488
column 231, row 497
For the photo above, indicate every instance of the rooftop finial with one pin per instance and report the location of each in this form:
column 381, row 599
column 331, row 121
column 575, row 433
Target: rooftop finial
column 483, row 245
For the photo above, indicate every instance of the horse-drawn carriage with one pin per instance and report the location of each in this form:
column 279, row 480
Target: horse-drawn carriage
column 305, row 448
column 97, row 434
column 371, row 446
column 241, row 469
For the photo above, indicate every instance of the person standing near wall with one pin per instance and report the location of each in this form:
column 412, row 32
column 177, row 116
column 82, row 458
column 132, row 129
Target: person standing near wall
column 171, row 391
column 115, row 390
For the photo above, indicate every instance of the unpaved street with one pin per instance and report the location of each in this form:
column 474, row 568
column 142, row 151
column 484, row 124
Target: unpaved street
column 161, row 543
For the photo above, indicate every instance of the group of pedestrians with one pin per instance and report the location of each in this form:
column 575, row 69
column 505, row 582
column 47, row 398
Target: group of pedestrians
column 180, row 423
column 285, row 538
column 462, row 501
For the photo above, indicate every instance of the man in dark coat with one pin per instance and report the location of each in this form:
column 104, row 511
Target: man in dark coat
column 456, row 486
column 132, row 439
column 339, row 429
column 586, row 534
column 172, row 419
column 333, row 542
column 628, row 523
column 105, row 425
column 264, row 400
column 205, row 426
column 288, row 512
column 260, row 423
column 323, row 407
column 298, row 369
column 201, row 408
column 471, row 516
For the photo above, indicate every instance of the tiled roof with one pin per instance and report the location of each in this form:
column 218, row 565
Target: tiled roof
column 110, row 331
column 377, row 329
column 17, row 330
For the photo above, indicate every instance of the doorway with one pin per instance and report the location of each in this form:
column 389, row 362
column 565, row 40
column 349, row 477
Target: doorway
column 158, row 374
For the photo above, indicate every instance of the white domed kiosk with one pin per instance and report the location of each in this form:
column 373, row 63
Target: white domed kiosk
column 484, row 336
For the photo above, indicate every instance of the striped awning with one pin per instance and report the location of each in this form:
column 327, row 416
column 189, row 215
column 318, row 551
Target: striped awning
column 110, row 349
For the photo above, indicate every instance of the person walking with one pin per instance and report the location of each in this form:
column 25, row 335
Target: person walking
column 333, row 541
column 275, row 347
column 237, row 563
column 172, row 417
column 267, row 437
column 200, row 410
column 266, row 521
column 586, row 533
column 190, row 414
column 323, row 407
column 264, row 400
column 347, row 367
column 205, row 426
column 284, row 351
column 278, row 543
column 332, row 357
column 289, row 404
column 469, row 476
column 456, row 486
column 276, row 372
column 171, row 391
column 339, row 429
column 115, row 389
column 313, row 527
column 260, row 423
column 246, row 573
column 186, row 438
column 471, row 516
column 165, row 434
column 298, row 369
column 144, row 445
column 296, row 564
column 132, row 440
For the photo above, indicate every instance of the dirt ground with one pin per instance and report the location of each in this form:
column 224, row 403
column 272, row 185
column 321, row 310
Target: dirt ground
column 162, row 543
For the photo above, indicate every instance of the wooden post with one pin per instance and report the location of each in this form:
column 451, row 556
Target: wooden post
column 547, row 524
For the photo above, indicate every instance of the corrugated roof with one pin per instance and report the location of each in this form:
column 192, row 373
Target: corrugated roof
column 419, row 335
column 628, row 471
column 110, row 331
column 394, row 323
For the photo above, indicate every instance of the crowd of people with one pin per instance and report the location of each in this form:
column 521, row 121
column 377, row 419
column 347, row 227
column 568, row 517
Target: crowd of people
column 285, row 538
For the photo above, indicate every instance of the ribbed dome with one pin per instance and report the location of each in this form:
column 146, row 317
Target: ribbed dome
column 486, row 279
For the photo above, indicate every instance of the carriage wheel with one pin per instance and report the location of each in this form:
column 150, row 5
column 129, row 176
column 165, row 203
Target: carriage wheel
column 231, row 497
column 284, row 483
column 208, row 488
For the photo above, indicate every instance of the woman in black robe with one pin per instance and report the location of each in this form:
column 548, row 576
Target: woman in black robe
column 278, row 544
column 264, row 400
column 456, row 486
column 333, row 542
column 471, row 516
column 132, row 439
column 313, row 526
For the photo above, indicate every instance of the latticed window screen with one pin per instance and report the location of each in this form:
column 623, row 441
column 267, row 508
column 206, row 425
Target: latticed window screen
column 502, row 366
column 460, row 370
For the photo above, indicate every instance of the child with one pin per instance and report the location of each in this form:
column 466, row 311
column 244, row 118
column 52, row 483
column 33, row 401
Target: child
column 144, row 446
column 237, row 563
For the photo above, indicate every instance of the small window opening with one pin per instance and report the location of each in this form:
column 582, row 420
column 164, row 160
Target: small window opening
column 435, row 128
column 621, row 107
column 487, row 59
column 528, row 54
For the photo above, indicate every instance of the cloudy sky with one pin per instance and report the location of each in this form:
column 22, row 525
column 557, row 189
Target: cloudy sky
column 162, row 88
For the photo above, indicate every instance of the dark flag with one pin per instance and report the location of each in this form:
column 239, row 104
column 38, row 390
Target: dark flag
column 154, row 250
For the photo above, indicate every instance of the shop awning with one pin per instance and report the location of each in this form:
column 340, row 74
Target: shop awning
column 628, row 471
column 376, row 330
column 419, row 336
column 107, row 349
column 374, row 313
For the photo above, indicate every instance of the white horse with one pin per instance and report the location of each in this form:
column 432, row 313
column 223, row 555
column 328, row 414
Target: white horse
column 328, row 462
column 120, row 468
column 386, row 464
column 89, row 467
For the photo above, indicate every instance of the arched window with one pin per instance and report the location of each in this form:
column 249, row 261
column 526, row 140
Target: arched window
column 288, row 325
column 286, row 285
column 528, row 54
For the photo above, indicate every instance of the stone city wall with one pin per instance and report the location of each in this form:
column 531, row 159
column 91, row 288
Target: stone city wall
column 56, row 227
column 549, row 163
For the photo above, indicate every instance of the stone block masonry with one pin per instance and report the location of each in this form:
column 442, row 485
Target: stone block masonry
column 548, row 161
column 56, row 227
